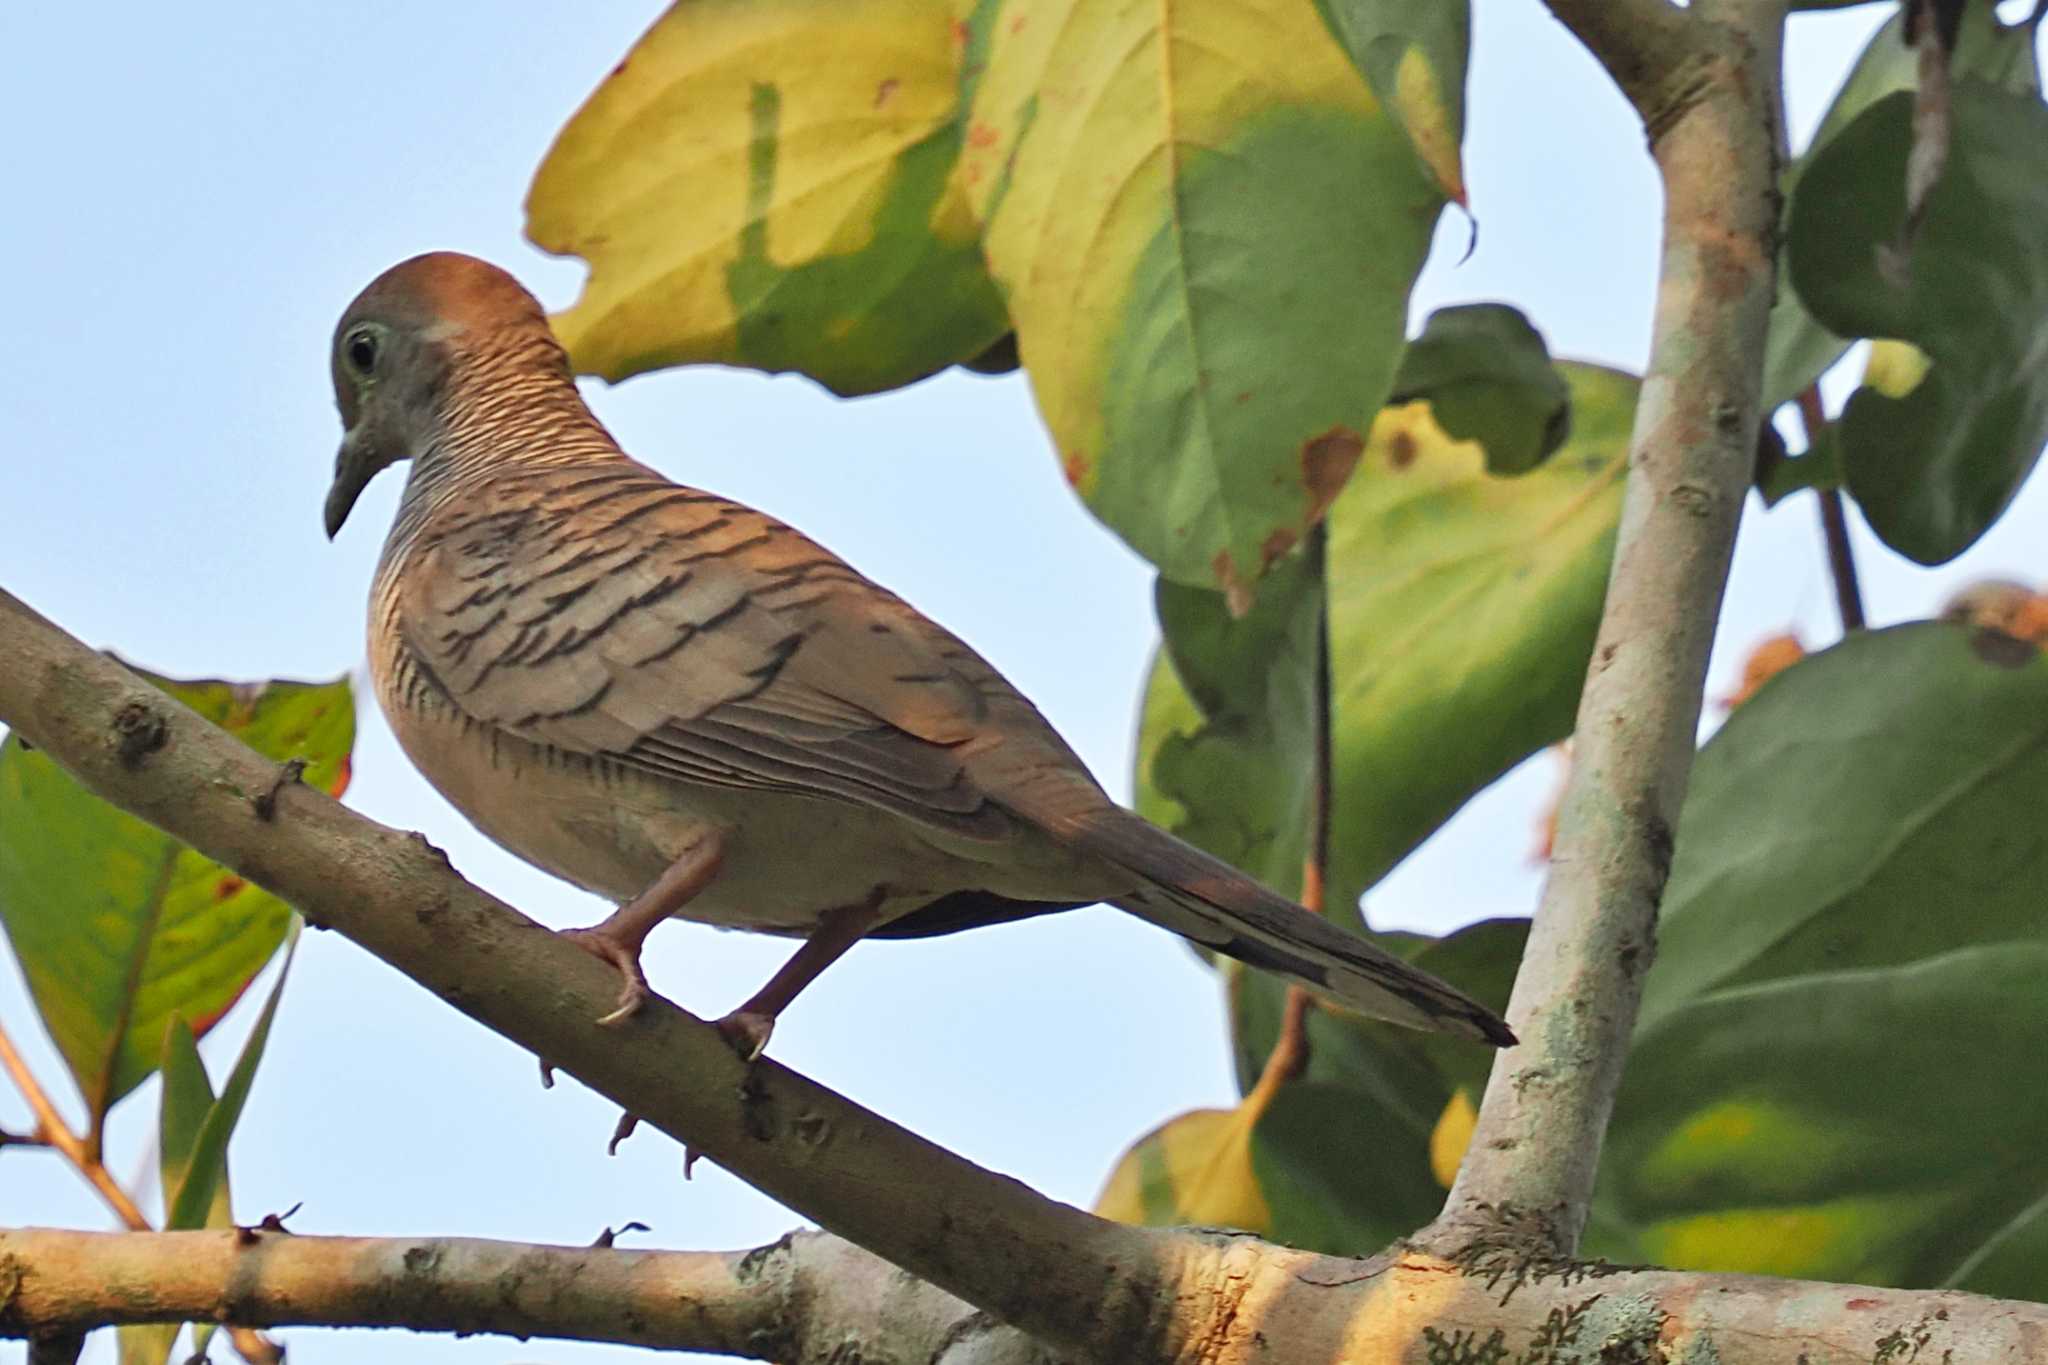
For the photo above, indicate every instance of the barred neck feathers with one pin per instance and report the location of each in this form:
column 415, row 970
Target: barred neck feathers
column 510, row 406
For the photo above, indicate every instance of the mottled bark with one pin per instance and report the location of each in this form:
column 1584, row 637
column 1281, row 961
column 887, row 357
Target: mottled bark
column 1705, row 82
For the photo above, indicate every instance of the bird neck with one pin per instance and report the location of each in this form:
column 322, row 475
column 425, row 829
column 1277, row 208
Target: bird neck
column 509, row 409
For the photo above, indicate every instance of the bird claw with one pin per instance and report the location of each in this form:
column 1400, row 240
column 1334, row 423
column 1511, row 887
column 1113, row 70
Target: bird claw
column 633, row 989
column 747, row 1032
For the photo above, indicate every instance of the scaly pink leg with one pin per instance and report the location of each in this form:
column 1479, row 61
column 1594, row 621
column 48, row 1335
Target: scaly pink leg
column 748, row 1027
column 619, row 939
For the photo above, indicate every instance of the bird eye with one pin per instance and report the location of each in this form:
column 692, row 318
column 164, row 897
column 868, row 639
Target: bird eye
column 362, row 352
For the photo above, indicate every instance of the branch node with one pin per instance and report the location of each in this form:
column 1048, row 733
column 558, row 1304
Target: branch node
column 264, row 803
column 139, row 731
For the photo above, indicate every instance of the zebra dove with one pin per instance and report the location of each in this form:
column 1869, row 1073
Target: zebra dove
column 688, row 707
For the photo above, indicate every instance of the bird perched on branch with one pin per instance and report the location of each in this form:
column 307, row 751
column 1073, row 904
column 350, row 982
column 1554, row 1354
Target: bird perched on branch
column 684, row 705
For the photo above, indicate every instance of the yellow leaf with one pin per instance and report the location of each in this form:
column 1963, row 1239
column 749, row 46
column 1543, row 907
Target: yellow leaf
column 1193, row 1169
column 768, row 182
column 1451, row 1136
column 1841, row 1238
column 1196, row 1169
column 1895, row 368
column 1147, row 177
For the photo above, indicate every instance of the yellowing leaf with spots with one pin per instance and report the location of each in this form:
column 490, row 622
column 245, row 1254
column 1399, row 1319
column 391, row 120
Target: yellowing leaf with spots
column 1206, row 228
column 769, row 183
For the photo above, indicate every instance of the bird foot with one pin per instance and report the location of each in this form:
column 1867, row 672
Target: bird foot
column 747, row 1031
column 633, row 990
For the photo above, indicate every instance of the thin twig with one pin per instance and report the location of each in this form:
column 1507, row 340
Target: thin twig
column 1834, row 520
column 53, row 1132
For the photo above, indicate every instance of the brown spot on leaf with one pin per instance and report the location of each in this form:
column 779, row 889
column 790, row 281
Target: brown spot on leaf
column 1857, row 1305
column 886, row 91
column 227, row 886
column 1237, row 595
column 1276, row 545
column 341, row 777
column 1017, row 24
column 1075, row 467
column 1243, row 396
column 1401, row 450
column 2000, row 650
column 1326, row 464
column 961, row 33
column 981, row 135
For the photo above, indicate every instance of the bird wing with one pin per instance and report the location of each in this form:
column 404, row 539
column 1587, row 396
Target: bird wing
column 608, row 612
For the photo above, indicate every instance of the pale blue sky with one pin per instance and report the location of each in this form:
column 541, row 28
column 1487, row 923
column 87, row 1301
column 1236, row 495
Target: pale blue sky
column 192, row 201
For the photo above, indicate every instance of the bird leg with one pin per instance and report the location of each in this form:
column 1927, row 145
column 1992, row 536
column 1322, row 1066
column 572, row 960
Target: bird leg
column 619, row 939
column 748, row 1027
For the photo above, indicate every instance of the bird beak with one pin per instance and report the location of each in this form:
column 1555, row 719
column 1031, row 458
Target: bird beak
column 353, row 470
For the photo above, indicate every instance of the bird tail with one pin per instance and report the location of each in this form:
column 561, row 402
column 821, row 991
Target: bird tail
column 1209, row 901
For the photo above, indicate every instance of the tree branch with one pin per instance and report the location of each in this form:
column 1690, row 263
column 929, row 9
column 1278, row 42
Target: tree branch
column 1050, row 1269
column 1834, row 520
column 812, row 1298
column 1537, row 1145
column 1647, row 46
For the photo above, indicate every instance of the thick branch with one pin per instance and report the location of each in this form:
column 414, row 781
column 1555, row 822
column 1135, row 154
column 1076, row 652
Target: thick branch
column 1537, row 1145
column 1048, row 1268
column 812, row 1298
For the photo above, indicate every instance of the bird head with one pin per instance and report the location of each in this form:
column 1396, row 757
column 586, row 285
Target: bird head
column 400, row 351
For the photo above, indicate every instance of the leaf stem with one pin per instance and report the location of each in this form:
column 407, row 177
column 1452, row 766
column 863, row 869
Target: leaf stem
column 1315, row 869
column 52, row 1131
column 1834, row 520
column 1289, row 1057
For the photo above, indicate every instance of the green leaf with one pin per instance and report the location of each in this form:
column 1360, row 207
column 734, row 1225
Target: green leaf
column 1206, row 229
column 1863, row 1125
column 1800, row 349
column 118, row 927
column 1235, row 780
column 189, row 1202
column 1463, row 608
column 186, row 1101
column 1819, row 467
column 1488, row 378
column 1904, row 769
column 1934, row 467
column 1848, row 978
column 742, row 201
column 1415, row 58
